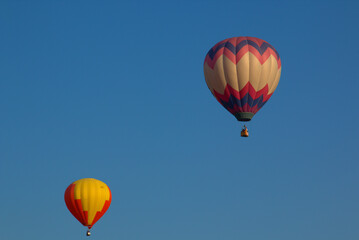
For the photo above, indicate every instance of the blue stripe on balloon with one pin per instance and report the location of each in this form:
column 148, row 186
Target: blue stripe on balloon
column 235, row 49
column 233, row 101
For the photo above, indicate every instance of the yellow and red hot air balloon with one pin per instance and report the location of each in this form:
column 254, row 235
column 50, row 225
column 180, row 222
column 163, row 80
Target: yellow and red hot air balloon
column 242, row 74
column 88, row 199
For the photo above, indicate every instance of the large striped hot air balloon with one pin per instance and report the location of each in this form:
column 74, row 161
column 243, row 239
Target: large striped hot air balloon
column 242, row 74
column 88, row 199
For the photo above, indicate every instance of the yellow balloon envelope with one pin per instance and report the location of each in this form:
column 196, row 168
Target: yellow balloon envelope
column 88, row 199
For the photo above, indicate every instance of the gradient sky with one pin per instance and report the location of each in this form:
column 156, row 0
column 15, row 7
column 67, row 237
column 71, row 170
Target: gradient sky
column 115, row 91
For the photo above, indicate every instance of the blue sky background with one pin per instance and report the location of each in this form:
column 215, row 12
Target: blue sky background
column 115, row 91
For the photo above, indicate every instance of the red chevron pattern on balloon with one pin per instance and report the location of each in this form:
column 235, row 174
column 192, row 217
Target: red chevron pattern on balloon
column 100, row 214
column 246, row 100
column 235, row 48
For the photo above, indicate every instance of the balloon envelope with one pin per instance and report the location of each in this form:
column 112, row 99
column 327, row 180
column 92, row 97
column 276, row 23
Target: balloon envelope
column 242, row 74
column 88, row 199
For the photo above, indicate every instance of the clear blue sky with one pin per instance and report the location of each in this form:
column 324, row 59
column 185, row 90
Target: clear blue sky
column 115, row 91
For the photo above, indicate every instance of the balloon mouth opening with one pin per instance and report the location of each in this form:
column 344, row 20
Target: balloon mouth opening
column 244, row 116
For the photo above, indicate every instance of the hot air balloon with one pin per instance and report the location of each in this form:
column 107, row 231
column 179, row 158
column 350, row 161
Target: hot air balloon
column 88, row 199
column 242, row 74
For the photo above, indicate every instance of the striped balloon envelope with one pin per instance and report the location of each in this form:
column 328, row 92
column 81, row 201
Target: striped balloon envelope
column 88, row 199
column 242, row 74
